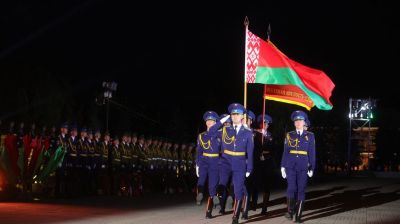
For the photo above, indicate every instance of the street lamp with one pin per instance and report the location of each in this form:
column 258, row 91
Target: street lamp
column 109, row 88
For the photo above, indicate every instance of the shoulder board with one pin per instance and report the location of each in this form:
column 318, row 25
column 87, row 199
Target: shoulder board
column 246, row 128
column 309, row 132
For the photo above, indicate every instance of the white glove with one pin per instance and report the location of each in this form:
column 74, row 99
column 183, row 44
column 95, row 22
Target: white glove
column 197, row 171
column 224, row 119
column 283, row 172
column 310, row 173
column 247, row 174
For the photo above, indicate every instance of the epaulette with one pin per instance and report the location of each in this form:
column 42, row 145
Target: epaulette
column 309, row 132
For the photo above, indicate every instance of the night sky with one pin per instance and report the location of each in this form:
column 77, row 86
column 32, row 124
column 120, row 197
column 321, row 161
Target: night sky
column 177, row 61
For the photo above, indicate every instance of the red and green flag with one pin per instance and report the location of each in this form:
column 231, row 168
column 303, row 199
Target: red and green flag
column 294, row 83
column 55, row 161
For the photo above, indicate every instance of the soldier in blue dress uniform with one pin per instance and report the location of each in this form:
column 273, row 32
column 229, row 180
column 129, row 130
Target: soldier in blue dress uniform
column 250, row 181
column 207, row 159
column 236, row 154
column 307, row 124
column 225, row 196
column 298, row 162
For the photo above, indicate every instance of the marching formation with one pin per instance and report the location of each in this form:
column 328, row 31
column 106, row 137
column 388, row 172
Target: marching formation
column 83, row 162
column 238, row 162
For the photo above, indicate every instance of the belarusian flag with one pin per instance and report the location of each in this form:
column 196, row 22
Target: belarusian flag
column 267, row 65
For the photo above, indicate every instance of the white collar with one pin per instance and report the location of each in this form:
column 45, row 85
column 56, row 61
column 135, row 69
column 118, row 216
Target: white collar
column 238, row 126
column 299, row 131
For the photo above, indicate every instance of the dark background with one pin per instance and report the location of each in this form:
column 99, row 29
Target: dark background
column 172, row 62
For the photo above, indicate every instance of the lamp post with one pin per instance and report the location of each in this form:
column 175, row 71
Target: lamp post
column 109, row 88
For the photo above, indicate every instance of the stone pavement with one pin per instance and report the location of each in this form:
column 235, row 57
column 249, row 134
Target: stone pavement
column 342, row 200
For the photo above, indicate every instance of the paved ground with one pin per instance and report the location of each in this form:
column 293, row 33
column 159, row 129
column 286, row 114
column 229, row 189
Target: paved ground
column 355, row 200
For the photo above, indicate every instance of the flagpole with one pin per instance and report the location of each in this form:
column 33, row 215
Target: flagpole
column 265, row 90
column 246, row 24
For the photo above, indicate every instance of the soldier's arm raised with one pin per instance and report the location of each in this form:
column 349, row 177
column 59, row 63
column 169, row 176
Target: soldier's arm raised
column 214, row 129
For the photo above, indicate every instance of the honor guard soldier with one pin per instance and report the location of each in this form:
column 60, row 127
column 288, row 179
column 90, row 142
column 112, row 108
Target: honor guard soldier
column 97, row 160
column 250, row 181
column 104, row 164
column 90, row 164
column 143, row 163
column 225, row 196
column 251, row 118
column 136, row 181
column 298, row 162
column 83, row 161
column 134, row 152
column 237, row 154
column 97, row 148
column 125, row 164
column 72, row 162
column 116, row 166
column 207, row 160
column 264, row 160
column 62, row 140
column 307, row 124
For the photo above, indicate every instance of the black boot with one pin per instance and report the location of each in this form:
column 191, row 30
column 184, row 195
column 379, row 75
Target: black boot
column 209, row 208
column 265, row 203
column 221, row 191
column 299, row 210
column 236, row 211
column 245, row 215
column 199, row 197
column 290, row 207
